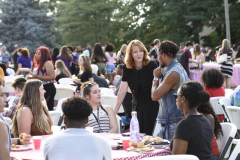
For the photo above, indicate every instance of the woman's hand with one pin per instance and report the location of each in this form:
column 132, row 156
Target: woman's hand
column 25, row 139
column 78, row 82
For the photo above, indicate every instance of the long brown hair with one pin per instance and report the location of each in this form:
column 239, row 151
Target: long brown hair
column 31, row 98
column 86, row 64
column 129, row 61
column 64, row 54
column 196, row 51
column 225, row 46
column 60, row 65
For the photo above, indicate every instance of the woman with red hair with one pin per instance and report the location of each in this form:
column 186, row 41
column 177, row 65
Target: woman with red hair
column 44, row 71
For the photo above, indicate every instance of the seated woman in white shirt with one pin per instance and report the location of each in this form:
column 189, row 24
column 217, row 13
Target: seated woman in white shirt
column 102, row 118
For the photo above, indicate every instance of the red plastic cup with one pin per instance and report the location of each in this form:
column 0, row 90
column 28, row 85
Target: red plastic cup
column 125, row 141
column 37, row 141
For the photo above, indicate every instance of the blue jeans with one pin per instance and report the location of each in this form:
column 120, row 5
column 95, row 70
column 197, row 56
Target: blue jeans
column 24, row 74
column 159, row 131
column 214, row 158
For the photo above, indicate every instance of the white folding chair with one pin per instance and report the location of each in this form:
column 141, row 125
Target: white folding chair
column 63, row 92
column 10, row 103
column 65, row 81
column 55, row 115
column 224, row 102
column 228, row 93
column 111, row 101
column 216, row 105
column 8, row 120
column 235, row 155
column 119, row 121
column 107, row 91
column 234, row 116
column 8, row 86
column 173, row 157
column 225, row 142
column 59, row 105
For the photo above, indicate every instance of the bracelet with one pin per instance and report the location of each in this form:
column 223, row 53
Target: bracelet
column 18, row 142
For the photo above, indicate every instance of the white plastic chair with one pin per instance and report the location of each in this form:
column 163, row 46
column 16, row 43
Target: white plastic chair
column 63, row 92
column 55, row 115
column 59, row 105
column 225, row 142
column 234, row 116
column 224, row 102
column 8, row 86
column 236, row 152
column 107, row 91
column 119, row 122
column 8, row 120
column 111, row 101
column 173, row 157
column 65, row 81
column 216, row 105
column 10, row 103
column 228, row 93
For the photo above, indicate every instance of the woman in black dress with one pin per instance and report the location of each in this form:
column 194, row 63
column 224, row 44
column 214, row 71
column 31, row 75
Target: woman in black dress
column 61, row 70
column 85, row 72
column 138, row 76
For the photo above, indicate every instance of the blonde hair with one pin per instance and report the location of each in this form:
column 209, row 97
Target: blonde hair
column 225, row 46
column 60, row 65
column 198, row 51
column 31, row 98
column 86, row 64
column 122, row 48
column 129, row 61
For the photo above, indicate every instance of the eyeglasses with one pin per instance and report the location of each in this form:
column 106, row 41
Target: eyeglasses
column 176, row 95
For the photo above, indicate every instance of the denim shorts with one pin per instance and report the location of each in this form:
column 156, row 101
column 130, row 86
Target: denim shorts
column 109, row 69
column 159, row 131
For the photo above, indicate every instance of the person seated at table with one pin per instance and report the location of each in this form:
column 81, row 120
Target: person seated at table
column 193, row 135
column 209, row 55
column 213, row 80
column 32, row 116
column 4, row 69
column 24, row 60
column 9, row 71
column 85, row 71
column 98, row 79
column 61, row 70
column 116, row 77
column 75, row 142
column 102, row 118
column 207, row 110
column 18, row 85
column 5, row 139
column 197, row 55
column 235, row 97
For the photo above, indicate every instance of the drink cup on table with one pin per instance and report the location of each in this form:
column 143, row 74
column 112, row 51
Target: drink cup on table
column 125, row 141
column 37, row 141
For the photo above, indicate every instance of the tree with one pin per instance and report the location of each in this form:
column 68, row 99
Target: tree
column 86, row 21
column 25, row 22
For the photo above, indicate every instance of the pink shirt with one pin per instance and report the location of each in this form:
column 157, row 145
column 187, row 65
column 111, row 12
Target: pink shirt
column 110, row 59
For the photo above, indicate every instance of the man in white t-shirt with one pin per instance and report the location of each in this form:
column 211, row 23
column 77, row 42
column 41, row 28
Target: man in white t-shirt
column 76, row 143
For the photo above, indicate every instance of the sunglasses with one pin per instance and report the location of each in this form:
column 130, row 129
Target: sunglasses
column 176, row 95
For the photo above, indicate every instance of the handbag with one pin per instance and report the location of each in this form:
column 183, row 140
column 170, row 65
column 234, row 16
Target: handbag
column 221, row 59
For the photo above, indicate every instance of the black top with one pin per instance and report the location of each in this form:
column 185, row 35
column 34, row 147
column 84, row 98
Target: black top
column 84, row 77
column 211, row 57
column 61, row 75
column 145, row 75
column 197, row 130
column 15, row 57
column 153, row 52
column 100, row 81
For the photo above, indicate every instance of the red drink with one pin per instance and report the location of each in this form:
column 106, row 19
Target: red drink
column 37, row 141
column 125, row 141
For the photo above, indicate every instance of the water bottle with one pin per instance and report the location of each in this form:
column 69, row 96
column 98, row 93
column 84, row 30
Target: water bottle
column 134, row 128
column 200, row 64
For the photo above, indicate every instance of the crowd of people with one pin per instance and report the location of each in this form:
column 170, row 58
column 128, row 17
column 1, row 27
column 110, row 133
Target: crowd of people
column 153, row 83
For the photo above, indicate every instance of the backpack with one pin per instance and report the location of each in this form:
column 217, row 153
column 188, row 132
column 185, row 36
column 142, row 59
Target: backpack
column 181, row 57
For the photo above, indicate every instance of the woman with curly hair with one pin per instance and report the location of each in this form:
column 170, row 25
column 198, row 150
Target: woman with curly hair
column 207, row 110
column 32, row 116
column 99, row 58
column 111, row 58
column 213, row 80
column 44, row 71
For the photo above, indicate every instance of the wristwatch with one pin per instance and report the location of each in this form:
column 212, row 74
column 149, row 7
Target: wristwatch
column 155, row 79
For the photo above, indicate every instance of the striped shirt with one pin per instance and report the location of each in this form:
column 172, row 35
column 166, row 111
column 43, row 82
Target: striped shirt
column 227, row 68
column 103, row 125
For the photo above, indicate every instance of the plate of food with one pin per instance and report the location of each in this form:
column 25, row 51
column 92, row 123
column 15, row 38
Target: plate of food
column 20, row 147
column 156, row 142
column 140, row 147
column 75, row 79
column 25, row 69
